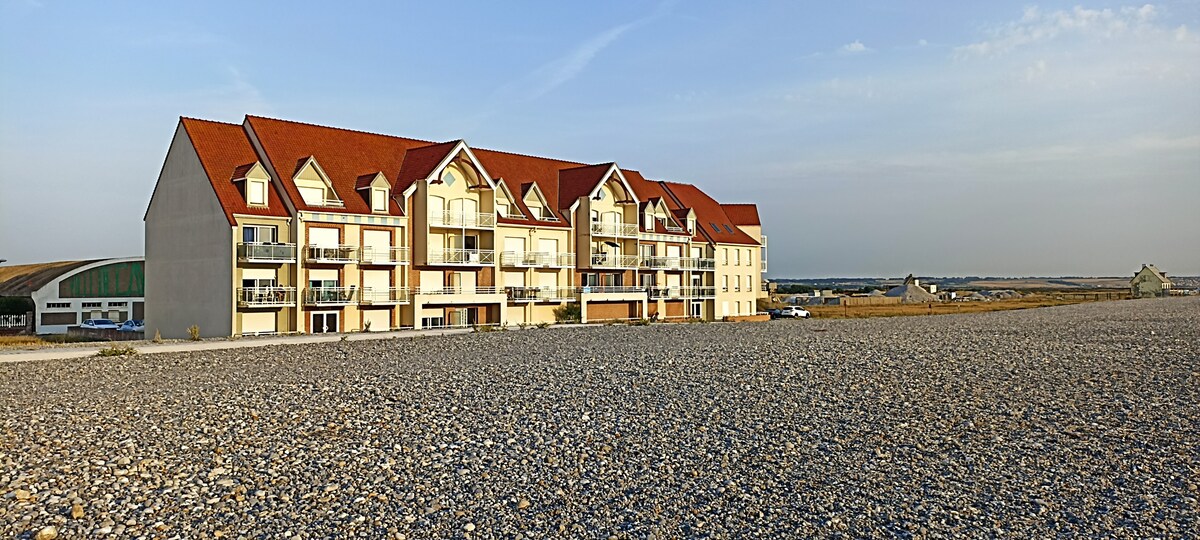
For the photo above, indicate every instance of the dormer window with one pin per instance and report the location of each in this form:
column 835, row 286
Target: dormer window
column 256, row 192
column 254, row 179
column 314, row 185
column 379, row 199
column 375, row 189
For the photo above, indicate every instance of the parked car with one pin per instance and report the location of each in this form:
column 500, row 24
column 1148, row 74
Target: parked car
column 133, row 325
column 99, row 324
column 774, row 313
column 794, row 312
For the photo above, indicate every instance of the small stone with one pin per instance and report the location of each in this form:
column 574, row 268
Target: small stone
column 22, row 494
column 523, row 504
column 76, row 511
column 469, row 527
column 47, row 533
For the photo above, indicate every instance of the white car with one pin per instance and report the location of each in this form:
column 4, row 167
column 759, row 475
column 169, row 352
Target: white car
column 99, row 324
column 794, row 312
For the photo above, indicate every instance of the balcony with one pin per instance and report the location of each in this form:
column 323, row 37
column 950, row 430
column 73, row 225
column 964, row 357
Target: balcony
column 470, row 220
column 698, row 263
column 266, row 253
column 541, row 294
column 677, row 263
column 471, row 257
column 764, row 266
column 457, row 289
column 266, row 296
column 610, row 289
column 383, row 297
column 330, row 254
column 609, row 260
column 536, row 259
column 330, row 296
column 617, row 230
column 384, row 256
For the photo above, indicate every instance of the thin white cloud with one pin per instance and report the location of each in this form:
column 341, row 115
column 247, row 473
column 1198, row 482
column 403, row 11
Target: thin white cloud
column 854, row 47
column 555, row 73
column 1036, row 26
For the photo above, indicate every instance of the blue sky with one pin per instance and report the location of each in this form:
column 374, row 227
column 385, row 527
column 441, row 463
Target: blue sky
column 878, row 138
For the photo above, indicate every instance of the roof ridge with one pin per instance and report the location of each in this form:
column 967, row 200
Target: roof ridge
column 181, row 118
column 364, row 132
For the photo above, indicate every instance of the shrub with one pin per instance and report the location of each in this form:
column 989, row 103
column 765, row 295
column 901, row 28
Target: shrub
column 366, row 326
column 117, row 350
column 15, row 305
column 484, row 328
column 194, row 332
column 568, row 313
column 543, row 325
column 639, row 322
column 157, row 336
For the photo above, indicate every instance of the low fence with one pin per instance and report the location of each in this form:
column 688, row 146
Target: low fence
column 16, row 324
column 851, row 301
column 104, row 334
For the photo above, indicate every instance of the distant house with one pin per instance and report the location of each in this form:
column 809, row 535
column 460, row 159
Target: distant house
column 911, row 292
column 1150, row 282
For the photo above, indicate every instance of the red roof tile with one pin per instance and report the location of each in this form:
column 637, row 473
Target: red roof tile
column 742, row 213
column 224, row 149
column 343, row 154
column 710, row 217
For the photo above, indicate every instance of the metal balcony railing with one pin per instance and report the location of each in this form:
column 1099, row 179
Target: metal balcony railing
column 698, row 263
column 462, row 256
column 609, row 260
column 392, row 255
column 266, row 296
column 536, row 258
column 455, row 289
column 256, row 252
column 541, row 294
column 378, row 296
column 610, row 289
column 331, row 254
column 479, row 220
column 330, row 296
column 622, row 230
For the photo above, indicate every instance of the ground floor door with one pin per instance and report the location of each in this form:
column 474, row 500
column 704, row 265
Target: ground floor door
column 323, row 323
column 697, row 310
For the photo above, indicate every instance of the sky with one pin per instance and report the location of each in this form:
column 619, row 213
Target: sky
column 878, row 138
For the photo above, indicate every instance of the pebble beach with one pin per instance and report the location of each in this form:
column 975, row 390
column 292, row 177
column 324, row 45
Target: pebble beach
column 1080, row 420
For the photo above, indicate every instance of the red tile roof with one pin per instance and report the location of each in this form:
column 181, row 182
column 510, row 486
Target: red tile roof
column 710, row 217
column 742, row 213
column 224, row 150
column 352, row 158
column 343, row 154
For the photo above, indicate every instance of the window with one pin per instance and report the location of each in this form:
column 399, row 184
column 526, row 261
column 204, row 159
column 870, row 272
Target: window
column 725, row 256
column 649, row 222
column 256, row 192
column 263, row 283
column 749, row 284
column 727, row 229
column 714, row 227
column 737, row 283
column 724, row 283
column 535, row 212
column 449, row 178
column 737, row 257
column 258, row 234
column 596, row 216
column 118, row 304
column 379, row 200
column 503, row 209
column 58, row 305
column 313, row 196
column 91, row 304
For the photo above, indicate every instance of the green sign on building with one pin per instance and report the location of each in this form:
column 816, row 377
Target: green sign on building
column 127, row 279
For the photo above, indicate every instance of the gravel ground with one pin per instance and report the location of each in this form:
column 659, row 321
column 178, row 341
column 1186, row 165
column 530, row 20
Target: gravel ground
column 1077, row 420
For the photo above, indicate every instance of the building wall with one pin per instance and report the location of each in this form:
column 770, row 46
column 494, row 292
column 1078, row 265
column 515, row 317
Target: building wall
column 285, row 275
column 119, row 298
column 739, row 264
column 189, row 250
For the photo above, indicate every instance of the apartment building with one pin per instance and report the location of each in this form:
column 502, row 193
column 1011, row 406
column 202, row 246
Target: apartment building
column 274, row 226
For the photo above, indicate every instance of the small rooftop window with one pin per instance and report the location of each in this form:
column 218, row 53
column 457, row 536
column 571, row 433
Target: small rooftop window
column 728, row 229
column 714, row 226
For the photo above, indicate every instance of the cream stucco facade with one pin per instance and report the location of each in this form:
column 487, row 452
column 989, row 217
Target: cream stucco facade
column 303, row 242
